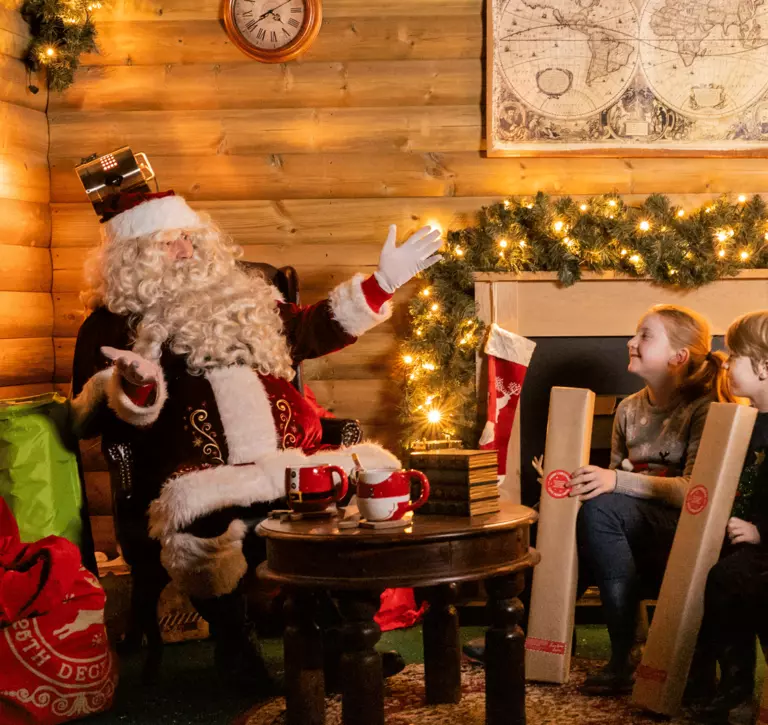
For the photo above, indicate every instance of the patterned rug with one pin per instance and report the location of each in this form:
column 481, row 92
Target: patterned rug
column 545, row 704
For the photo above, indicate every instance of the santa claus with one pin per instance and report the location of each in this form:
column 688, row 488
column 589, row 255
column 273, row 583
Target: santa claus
column 189, row 359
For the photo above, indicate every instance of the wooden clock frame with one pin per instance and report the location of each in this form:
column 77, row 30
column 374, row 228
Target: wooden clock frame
column 313, row 18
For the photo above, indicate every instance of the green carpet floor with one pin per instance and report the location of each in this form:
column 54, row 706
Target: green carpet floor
column 189, row 692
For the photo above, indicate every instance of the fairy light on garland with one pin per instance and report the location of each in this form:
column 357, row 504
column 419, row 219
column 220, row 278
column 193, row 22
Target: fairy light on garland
column 60, row 32
column 681, row 248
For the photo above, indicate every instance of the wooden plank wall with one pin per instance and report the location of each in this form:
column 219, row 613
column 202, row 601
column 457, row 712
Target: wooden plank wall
column 26, row 309
column 307, row 163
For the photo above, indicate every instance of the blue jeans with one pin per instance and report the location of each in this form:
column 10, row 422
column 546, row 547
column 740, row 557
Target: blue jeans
column 624, row 543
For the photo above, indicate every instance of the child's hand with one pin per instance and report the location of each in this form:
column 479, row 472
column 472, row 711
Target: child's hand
column 742, row 532
column 590, row 481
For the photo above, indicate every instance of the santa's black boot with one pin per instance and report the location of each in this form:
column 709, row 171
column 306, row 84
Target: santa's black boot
column 737, row 682
column 237, row 654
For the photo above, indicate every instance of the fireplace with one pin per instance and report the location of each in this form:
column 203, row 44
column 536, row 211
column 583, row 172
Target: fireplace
column 581, row 334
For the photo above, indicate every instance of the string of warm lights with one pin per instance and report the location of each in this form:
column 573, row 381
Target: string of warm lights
column 663, row 242
column 60, row 32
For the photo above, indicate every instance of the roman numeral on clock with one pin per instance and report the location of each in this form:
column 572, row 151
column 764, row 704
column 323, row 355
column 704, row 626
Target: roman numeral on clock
column 250, row 25
column 273, row 36
column 293, row 22
column 261, row 34
column 295, row 10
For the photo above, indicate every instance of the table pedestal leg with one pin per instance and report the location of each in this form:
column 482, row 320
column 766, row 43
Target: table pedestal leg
column 303, row 642
column 505, row 653
column 442, row 648
column 362, row 681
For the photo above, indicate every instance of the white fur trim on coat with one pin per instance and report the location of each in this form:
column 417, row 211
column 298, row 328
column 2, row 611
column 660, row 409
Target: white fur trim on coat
column 206, row 567
column 351, row 310
column 245, row 411
column 87, row 403
column 192, row 495
column 126, row 409
column 169, row 212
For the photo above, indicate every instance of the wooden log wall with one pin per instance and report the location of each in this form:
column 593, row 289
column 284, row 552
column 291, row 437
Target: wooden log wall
column 307, row 163
column 26, row 309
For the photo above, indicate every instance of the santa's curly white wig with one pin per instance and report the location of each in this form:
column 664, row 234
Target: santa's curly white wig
column 205, row 307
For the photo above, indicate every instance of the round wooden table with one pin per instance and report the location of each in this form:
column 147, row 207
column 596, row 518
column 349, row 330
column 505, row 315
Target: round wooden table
column 356, row 565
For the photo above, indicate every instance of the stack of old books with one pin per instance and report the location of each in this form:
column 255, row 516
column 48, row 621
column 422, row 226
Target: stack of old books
column 461, row 482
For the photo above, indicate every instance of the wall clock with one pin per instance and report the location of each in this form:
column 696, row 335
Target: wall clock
column 273, row 31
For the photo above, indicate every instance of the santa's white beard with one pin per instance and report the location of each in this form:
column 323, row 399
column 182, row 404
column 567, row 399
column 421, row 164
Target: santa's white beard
column 215, row 317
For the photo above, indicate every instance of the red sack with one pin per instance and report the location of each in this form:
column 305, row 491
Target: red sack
column 56, row 661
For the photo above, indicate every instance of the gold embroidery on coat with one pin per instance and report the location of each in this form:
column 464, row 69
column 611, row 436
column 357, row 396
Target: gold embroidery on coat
column 197, row 419
column 285, row 418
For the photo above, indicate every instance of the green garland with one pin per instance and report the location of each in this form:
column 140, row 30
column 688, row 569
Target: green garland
column 61, row 30
column 664, row 243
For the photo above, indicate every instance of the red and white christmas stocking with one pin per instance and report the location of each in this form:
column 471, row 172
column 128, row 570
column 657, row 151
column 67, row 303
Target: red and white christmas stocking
column 508, row 358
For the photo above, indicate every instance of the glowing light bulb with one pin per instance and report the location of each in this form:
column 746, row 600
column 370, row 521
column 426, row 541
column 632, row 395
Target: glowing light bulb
column 435, row 225
column 721, row 253
column 428, row 366
column 611, row 202
column 744, row 256
column 434, row 416
column 50, row 52
column 731, row 232
column 419, row 333
column 635, row 258
column 742, row 198
column 708, row 209
column 644, row 226
column 681, row 212
column 672, row 271
column 558, row 226
column 506, row 203
column 408, row 359
column 503, row 243
column 435, row 307
column 583, row 207
column 426, row 292
column 624, row 252
column 459, row 252
column 522, row 242
column 568, row 242
column 721, row 236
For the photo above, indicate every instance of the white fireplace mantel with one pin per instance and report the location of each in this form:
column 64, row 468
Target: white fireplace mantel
column 534, row 304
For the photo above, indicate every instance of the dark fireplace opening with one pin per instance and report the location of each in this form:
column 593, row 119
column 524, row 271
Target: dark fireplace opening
column 597, row 363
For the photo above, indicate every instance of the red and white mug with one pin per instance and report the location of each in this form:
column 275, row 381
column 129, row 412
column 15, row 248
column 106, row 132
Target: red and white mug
column 384, row 494
column 312, row 488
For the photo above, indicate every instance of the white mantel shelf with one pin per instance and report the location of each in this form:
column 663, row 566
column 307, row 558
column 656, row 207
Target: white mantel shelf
column 534, row 304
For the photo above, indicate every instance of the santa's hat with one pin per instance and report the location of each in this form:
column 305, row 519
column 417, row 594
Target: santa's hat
column 132, row 215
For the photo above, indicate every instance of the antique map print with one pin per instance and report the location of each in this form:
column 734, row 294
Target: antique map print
column 570, row 75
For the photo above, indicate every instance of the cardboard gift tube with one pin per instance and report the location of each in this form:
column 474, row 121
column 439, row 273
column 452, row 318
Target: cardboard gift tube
column 661, row 677
column 553, row 595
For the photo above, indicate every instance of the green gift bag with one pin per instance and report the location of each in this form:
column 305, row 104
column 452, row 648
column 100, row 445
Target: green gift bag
column 39, row 476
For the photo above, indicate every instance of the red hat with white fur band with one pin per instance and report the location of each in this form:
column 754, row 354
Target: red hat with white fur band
column 133, row 215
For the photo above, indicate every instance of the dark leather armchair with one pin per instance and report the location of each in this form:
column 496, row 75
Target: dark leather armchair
column 143, row 554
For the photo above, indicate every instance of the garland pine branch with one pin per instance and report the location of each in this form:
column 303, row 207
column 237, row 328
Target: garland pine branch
column 61, row 31
column 656, row 240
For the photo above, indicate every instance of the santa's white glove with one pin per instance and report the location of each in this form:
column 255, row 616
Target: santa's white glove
column 399, row 264
column 134, row 368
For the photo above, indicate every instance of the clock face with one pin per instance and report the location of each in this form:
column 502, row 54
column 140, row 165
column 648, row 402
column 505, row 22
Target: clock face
column 269, row 25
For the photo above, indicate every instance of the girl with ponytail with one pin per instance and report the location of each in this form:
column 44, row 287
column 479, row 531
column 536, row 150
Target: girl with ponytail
column 630, row 510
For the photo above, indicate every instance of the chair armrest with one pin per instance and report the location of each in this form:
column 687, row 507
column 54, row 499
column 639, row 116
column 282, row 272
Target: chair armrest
column 341, row 431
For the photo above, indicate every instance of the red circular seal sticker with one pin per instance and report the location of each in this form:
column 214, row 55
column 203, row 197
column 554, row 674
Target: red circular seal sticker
column 696, row 500
column 555, row 483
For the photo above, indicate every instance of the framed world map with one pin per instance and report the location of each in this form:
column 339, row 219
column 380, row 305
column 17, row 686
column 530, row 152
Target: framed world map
column 627, row 76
